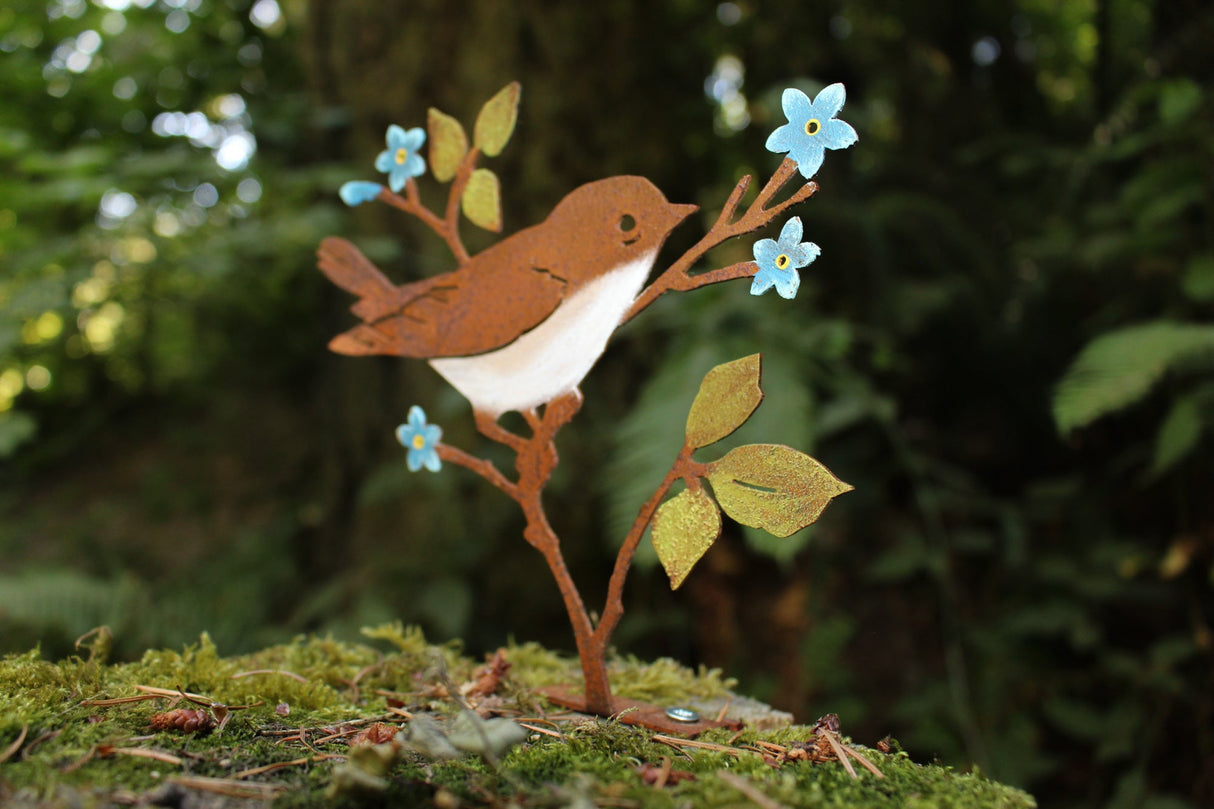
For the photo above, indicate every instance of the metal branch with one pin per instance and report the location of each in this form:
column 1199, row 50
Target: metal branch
column 446, row 228
column 613, row 610
column 677, row 276
column 478, row 465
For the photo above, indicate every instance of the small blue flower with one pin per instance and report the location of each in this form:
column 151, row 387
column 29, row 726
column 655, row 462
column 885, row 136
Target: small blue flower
column 400, row 160
column 779, row 260
column 420, row 439
column 812, row 128
column 356, row 192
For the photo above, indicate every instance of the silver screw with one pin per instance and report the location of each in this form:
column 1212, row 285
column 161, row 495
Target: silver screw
column 683, row 715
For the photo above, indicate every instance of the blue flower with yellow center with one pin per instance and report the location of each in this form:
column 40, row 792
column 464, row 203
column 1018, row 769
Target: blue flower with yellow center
column 779, row 260
column 401, row 161
column 812, row 128
column 420, row 439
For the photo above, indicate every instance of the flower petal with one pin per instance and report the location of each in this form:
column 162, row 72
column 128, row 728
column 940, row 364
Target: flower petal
column 384, row 162
column 765, row 252
column 415, row 459
column 808, row 162
column 797, row 106
column 761, row 283
column 837, row 134
column 783, row 139
column 404, row 434
column 828, row 102
column 787, row 284
column 432, row 433
column 803, row 254
column 396, row 137
column 433, row 462
column 417, row 418
column 798, row 256
column 790, row 234
column 414, row 139
column 356, row 192
column 415, row 165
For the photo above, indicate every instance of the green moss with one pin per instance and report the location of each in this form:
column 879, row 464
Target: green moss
column 666, row 681
column 662, row 680
column 61, row 761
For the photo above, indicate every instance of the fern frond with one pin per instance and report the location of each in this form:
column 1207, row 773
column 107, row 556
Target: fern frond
column 1120, row 368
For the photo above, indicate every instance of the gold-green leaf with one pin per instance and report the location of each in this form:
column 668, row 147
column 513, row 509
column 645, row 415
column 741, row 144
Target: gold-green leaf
column 482, row 201
column 727, row 397
column 773, row 487
column 448, row 144
column 684, row 529
column 495, row 123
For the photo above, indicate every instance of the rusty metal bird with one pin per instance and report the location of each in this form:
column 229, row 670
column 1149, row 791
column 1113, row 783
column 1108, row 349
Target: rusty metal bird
column 522, row 322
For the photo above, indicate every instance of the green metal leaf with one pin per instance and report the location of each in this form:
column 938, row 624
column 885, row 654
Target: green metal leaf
column 482, row 200
column 495, row 123
column 773, row 487
column 684, row 528
column 448, row 144
column 1119, row 368
column 727, row 397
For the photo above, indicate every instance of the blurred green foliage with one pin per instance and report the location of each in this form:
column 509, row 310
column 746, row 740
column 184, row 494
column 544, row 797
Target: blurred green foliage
column 1004, row 347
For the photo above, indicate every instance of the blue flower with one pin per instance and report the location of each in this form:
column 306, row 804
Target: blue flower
column 356, row 192
column 779, row 260
column 812, row 128
column 400, row 160
column 420, row 439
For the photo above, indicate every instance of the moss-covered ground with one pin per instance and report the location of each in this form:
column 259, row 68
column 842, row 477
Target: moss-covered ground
column 66, row 741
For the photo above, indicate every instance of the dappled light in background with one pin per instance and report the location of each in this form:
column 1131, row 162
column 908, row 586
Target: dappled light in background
column 1023, row 577
column 98, row 289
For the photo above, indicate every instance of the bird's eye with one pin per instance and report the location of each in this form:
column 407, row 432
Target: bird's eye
column 627, row 222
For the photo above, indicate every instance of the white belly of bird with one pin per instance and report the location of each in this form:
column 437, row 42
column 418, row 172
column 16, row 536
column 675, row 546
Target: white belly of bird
column 556, row 355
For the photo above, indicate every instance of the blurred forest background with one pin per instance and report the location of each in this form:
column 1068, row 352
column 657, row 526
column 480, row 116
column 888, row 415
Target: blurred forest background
column 1007, row 346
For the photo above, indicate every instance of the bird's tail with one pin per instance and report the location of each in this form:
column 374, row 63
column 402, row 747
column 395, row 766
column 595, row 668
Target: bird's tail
column 362, row 341
column 345, row 265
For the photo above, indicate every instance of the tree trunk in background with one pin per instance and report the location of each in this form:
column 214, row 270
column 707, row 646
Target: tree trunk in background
column 1182, row 31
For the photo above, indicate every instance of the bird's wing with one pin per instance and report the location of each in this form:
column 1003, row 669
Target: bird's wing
column 482, row 306
column 482, row 312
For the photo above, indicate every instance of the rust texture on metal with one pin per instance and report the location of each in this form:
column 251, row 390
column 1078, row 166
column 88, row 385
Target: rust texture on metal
column 517, row 326
column 634, row 712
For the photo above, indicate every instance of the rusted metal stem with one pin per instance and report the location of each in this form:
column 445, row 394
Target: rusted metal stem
column 462, row 175
column 613, row 609
column 478, row 465
column 446, row 228
column 537, row 458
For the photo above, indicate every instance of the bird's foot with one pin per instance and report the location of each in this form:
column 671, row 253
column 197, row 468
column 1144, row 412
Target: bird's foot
column 561, row 410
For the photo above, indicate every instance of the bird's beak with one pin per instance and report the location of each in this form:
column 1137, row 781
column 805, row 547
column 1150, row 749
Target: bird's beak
column 680, row 212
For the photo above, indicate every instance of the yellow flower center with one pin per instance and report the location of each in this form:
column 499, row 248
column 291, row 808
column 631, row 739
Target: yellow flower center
column 813, row 126
column 419, row 441
column 401, row 155
column 782, row 261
